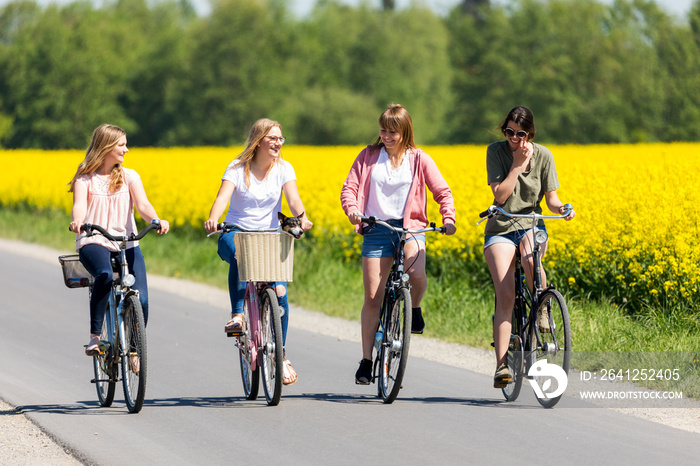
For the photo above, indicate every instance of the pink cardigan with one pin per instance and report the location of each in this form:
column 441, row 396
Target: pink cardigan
column 353, row 196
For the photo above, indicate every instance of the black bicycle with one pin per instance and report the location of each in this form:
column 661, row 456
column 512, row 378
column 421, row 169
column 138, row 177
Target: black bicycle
column 530, row 342
column 395, row 315
column 123, row 337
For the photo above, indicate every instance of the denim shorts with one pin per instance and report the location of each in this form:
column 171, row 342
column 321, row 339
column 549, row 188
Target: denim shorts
column 379, row 241
column 513, row 237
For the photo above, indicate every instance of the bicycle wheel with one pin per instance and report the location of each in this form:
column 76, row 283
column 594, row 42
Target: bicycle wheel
column 394, row 351
column 272, row 350
column 515, row 353
column 134, row 355
column 105, row 368
column 250, row 377
column 554, row 346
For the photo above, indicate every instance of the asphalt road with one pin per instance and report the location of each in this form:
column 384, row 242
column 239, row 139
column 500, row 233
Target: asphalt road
column 195, row 412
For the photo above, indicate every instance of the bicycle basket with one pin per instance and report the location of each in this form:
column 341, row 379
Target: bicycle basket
column 264, row 257
column 74, row 273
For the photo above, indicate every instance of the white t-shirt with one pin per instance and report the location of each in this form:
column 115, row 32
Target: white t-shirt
column 388, row 191
column 256, row 206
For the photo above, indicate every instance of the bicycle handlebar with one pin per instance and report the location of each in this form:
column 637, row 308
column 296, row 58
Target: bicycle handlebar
column 91, row 229
column 493, row 210
column 371, row 221
column 226, row 227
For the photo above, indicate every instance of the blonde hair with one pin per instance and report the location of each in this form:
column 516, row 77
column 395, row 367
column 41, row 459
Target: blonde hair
column 104, row 139
column 257, row 133
column 396, row 118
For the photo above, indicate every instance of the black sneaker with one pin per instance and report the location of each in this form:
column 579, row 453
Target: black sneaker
column 363, row 376
column 417, row 323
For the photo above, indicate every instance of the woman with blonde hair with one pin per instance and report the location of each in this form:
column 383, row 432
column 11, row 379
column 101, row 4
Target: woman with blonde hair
column 252, row 186
column 105, row 194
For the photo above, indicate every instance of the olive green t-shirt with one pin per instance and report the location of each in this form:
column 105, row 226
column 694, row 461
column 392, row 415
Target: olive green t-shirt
column 529, row 189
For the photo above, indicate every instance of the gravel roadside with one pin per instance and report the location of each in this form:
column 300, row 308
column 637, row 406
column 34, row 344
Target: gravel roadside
column 24, row 443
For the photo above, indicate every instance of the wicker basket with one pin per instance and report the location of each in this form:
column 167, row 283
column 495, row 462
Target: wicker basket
column 264, row 257
column 74, row 273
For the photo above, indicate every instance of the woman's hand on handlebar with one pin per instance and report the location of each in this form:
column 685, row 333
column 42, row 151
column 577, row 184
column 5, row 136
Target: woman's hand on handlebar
column 450, row 229
column 567, row 207
column 211, row 225
column 164, row 227
column 354, row 218
column 75, row 226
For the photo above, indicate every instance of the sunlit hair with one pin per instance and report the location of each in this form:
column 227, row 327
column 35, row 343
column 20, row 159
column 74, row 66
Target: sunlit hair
column 396, row 118
column 104, row 139
column 257, row 133
column 523, row 117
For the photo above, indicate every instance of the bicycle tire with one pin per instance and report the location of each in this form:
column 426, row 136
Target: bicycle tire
column 395, row 345
column 272, row 347
column 104, row 369
column 249, row 377
column 516, row 352
column 134, row 382
column 554, row 346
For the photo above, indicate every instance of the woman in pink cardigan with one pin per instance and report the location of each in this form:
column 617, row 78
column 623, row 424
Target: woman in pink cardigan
column 388, row 181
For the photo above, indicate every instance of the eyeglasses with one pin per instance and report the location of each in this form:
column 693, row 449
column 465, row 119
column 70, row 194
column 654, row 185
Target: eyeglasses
column 276, row 139
column 510, row 132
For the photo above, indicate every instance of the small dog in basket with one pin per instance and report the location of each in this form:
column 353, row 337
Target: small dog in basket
column 291, row 225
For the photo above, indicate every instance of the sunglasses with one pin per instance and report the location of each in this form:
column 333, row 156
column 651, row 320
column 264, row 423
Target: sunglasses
column 510, row 132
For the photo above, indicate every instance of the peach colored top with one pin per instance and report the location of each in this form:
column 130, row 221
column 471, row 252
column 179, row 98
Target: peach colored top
column 112, row 211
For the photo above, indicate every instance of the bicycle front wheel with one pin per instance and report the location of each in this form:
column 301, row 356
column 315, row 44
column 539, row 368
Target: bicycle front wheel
column 394, row 351
column 250, row 377
column 105, row 368
column 272, row 347
column 554, row 344
column 134, row 355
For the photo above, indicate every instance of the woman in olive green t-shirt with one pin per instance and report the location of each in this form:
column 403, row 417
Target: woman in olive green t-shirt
column 521, row 173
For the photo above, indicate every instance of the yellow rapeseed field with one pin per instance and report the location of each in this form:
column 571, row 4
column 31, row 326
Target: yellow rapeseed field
column 634, row 237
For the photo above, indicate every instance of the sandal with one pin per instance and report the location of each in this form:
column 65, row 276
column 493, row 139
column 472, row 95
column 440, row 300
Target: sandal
column 135, row 364
column 93, row 348
column 235, row 325
column 289, row 375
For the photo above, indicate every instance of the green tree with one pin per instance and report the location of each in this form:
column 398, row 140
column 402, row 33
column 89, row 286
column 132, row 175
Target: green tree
column 234, row 73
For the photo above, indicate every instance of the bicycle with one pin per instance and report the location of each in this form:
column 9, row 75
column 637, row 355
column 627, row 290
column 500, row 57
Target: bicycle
column 123, row 337
column 528, row 343
column 394, row 332
column 260, row 345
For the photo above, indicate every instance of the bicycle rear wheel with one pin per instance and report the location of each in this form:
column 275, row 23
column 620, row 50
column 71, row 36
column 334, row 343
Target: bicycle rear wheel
column 272, row 350
column 134, row 354
column 394, row 351
column 250, row 377
column 105, row 368
column 555, row 345
column 516, row 352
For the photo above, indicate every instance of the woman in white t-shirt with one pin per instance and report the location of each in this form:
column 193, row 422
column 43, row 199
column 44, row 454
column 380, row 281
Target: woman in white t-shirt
column 252, row 185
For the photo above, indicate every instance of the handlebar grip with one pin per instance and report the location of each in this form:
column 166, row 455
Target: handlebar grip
column 484, row 213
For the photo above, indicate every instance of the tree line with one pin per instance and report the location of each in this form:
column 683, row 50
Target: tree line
column 591, row 72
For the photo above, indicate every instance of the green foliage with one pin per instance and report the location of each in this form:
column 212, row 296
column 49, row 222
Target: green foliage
column 591, row 72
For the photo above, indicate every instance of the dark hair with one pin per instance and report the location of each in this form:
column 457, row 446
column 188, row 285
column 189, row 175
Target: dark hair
column 523, row 117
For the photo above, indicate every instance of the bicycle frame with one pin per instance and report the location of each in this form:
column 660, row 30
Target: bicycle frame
column 394, row 326
column 119, row 347
column 252, row 299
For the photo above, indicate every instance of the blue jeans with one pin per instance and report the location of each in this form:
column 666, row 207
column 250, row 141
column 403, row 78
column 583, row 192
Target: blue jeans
column 97, row 261
column 236, row 288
